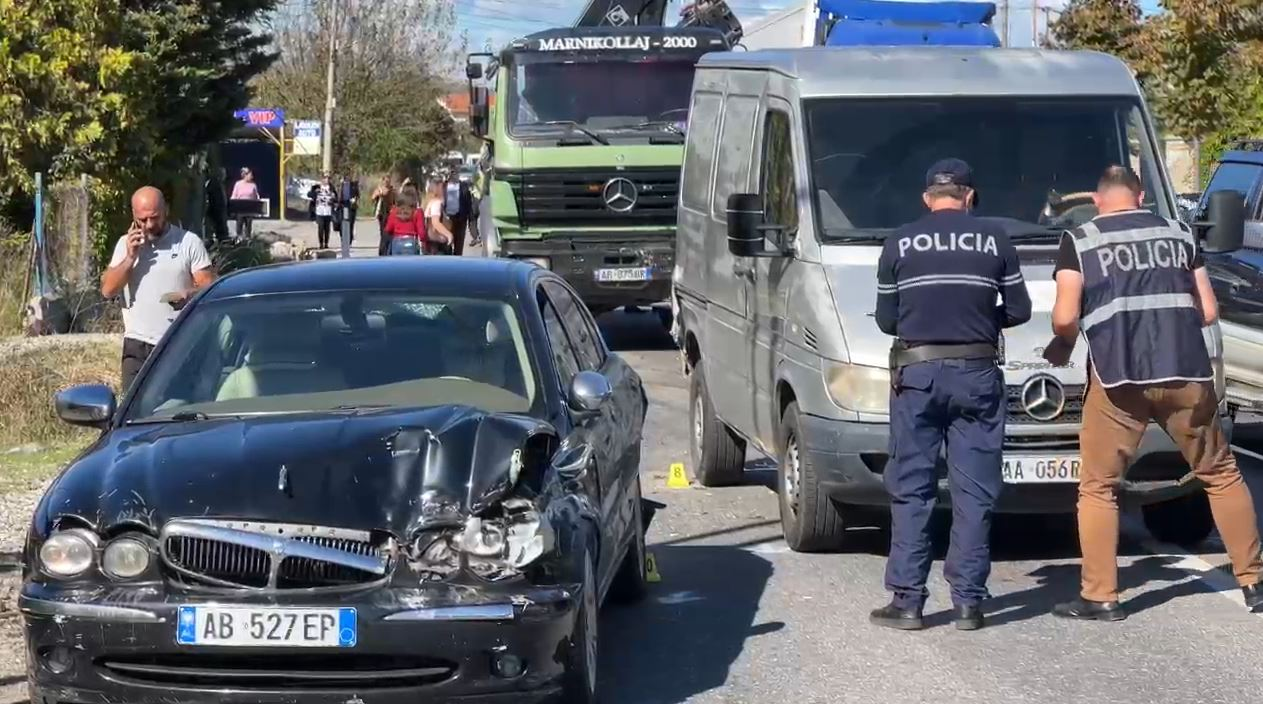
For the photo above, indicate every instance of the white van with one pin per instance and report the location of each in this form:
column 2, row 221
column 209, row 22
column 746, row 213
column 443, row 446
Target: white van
column 797, row 165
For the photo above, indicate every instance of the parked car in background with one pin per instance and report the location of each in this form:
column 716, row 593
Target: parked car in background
column 394, row 480
column 1238, row 277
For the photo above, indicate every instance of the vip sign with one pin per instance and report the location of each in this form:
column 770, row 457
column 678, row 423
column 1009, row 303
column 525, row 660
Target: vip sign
column 269, row 118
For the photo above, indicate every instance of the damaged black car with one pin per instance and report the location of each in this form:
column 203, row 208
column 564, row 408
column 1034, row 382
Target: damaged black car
column 389, row 480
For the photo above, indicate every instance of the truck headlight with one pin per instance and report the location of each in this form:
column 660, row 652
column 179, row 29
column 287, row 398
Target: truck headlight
column 858, row 388
column 125, row 558
column 68, row 553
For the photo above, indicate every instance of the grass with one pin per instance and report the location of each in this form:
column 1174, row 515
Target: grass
column 23, row 471
column 30, row 378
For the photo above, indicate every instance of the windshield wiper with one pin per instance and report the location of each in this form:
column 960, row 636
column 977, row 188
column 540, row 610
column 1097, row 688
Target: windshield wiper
column 181, row 417
column 661, row 124
column 573, row 127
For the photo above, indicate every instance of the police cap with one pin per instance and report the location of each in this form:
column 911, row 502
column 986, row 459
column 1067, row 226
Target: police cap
column 950, row 172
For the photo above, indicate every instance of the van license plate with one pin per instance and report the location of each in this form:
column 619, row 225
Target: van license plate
column 642, row 273
column 262, row 626
column 1041, row 470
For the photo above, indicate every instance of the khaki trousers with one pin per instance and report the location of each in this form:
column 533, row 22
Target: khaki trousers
column 1113, row 422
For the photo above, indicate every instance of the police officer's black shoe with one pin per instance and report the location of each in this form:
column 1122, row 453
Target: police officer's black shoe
column 969, row 618
column 1253, row 598
column 892, row 616
column 1085, row 610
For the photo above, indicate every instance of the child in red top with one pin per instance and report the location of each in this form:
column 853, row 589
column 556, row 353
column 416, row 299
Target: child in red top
column 405, row 227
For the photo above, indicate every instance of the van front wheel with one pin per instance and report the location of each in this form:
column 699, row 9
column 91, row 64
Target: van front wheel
column 717, row 453
column 810, row 519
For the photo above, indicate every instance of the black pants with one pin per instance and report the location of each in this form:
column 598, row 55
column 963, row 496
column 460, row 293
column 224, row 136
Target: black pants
column 383, row 242
column 350, row 223
column 135, row 353
column 323, row 224
column 459, row 228
column 245, row 227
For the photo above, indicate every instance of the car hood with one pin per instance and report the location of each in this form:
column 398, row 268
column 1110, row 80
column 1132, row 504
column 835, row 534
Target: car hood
column 397, row 470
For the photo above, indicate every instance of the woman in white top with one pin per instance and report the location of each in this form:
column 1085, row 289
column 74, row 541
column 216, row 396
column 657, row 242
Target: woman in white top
column 323, row 199
column 439, row 236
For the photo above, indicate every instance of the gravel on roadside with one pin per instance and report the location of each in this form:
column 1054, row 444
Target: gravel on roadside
column 15, row 516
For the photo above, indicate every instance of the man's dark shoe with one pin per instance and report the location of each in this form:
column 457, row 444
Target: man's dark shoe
column 1253, row 598
column 891, row 616
column 1085, row 610
column 969, row 618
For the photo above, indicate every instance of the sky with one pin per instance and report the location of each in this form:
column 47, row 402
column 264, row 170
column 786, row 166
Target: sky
column 499, row 21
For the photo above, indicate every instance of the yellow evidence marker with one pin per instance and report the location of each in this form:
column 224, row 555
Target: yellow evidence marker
column 677, row 479
column 651, row 569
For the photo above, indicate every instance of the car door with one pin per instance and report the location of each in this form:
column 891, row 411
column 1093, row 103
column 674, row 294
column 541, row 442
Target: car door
column 618, row 427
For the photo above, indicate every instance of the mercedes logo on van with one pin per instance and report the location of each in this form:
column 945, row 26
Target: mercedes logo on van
column 1043, row 397
column 620, row 195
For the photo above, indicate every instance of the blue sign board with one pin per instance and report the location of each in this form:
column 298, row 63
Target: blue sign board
column 270, row 118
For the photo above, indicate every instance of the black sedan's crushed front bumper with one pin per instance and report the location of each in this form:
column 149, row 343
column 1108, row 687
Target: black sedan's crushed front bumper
column 446, row 644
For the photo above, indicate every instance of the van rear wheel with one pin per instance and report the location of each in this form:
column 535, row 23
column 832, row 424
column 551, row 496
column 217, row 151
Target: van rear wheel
column 810, row 519
column 717, row 453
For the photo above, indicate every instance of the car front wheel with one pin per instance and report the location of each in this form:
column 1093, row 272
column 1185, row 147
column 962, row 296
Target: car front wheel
column 579, row 680
column 632, row 581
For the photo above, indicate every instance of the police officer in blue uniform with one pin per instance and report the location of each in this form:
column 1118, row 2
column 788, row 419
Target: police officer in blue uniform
column 937, row 285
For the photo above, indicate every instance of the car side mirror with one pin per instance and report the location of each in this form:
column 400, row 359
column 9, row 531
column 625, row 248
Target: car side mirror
column 90, row 405
column 1224, row 222
column 589, row 392
column 748, row 230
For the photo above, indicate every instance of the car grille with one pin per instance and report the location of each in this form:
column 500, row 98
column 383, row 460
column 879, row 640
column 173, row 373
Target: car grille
column 257, row 671
column 577, row 196
column 1072, row 413
column 263, row 556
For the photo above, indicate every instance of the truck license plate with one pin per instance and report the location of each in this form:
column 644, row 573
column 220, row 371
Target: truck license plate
column 1041, row 470
column 253, row 627
column 642, row 273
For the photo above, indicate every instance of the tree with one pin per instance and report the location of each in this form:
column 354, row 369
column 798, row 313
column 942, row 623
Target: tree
column 393, row 60
column 119, row 90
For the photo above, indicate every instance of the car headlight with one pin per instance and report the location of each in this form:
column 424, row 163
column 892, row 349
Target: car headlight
column 859, row 388
column 68, row 553
column 126, row 558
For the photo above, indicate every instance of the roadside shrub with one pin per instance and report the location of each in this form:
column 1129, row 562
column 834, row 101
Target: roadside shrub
column 35, row 369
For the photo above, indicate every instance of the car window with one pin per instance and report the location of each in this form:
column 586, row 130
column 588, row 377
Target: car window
column 732, row 170
column 1242, row 178
column 562, row 350
column 700, row 150
column 577, row 321
column 780, row 193
column 313, row 352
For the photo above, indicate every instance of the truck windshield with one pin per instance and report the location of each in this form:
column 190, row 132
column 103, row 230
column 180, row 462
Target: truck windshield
column 604, row 93
column 1036, row 161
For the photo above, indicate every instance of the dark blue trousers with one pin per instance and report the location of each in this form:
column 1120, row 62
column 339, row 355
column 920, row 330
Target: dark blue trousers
column 960, row 403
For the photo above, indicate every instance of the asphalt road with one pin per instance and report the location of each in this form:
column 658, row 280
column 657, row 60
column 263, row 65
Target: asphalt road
column 738, row 617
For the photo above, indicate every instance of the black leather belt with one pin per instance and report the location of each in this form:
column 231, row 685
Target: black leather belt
column 901, row 355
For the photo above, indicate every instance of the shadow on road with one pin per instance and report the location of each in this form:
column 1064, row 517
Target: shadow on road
column 640, row 331
column 682, row 640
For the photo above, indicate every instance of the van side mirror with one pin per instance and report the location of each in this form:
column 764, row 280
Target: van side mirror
column 1224, row 222
column 473, row 71
column 748, row 230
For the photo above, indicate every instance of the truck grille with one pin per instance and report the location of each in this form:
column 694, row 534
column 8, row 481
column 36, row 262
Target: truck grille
column 214, row 554
column 1072, row 413
column 578, row 196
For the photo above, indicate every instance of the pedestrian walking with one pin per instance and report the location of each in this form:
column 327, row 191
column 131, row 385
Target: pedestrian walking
column 322, row 202
column 458, row 206
column 438, row 236
column 405, row 227
column 937, row 282
column 156, row 267
column 1135, row 285
column 349, row 196
column 245, row 189
column 383, row 200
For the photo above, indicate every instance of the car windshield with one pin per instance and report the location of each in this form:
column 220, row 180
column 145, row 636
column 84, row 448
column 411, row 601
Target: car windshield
column 338, row 351
column 1035, row 160
column 602, row 94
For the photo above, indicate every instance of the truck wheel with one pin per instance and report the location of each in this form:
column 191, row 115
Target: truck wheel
column 810, row 519
column 718, row 455
column 631, row 583
column 1185, row 521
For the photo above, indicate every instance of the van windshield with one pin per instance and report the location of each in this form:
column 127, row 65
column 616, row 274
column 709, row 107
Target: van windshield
column 1035, row 160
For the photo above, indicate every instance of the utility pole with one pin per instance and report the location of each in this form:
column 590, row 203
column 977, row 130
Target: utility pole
column 326, row 149
column 1004, row 31
column 1035, row 23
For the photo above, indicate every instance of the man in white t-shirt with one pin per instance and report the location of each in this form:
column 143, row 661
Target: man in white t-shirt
column 156, row 267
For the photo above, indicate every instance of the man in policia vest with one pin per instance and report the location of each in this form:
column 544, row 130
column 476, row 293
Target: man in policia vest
column 1135, row 284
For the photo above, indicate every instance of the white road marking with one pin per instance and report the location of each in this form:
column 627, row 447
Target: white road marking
column 680, row 598
column 1247, row 453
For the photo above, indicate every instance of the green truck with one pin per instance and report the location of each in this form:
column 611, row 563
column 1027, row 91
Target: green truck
column 583, row 145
